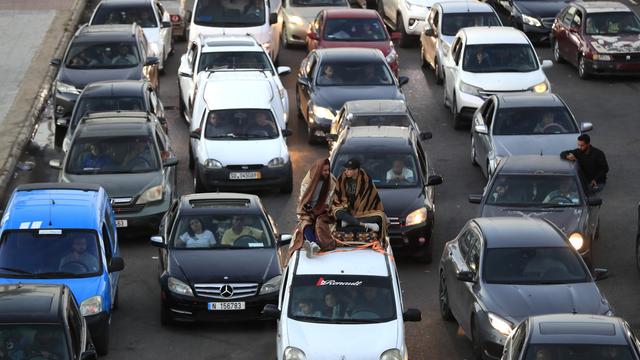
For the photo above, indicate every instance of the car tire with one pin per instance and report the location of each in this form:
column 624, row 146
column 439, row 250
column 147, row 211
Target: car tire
column 181, row 106
column 443, row 299
column 192, row 162
column 458, row 124
column 287, row 188
column 284, row 37
column 161, row 70
column 444, row 96
column 406, row 40
column 100, row 337
column 478, row 352
column 437, row 71
column 583, row 74
column 474, row 160
column 60, row 132
column 165, row 316
column 300, row 115
column 556, row 52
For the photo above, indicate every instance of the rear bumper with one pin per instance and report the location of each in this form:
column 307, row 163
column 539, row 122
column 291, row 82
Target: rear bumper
column 269, row 178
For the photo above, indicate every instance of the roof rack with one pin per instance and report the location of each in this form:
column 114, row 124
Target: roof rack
column 98, row 115
column 58, row 186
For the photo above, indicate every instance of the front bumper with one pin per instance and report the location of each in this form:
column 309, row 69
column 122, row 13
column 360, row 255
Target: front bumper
column 219, row 178
column 619, row 66
column 467, row 104
column 409, row 239
column 492, row 341
column 297, row 34
column 537, row 34
column 97, row 322
column 414, row 21
column 63, row 105
column 145, row 216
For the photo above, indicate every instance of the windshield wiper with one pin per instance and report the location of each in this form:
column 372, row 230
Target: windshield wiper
column 18, row 271
column 356, row 321
column 57, row 273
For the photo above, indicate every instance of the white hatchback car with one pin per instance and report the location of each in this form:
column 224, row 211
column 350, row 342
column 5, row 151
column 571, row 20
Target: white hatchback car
column 489, row 60
column 343, row 305
column 236, row 137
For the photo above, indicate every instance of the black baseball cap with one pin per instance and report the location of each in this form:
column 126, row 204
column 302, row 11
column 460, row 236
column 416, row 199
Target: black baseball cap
column 352, row 164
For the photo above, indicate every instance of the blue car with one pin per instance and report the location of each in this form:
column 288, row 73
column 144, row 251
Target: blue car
column 65, row 234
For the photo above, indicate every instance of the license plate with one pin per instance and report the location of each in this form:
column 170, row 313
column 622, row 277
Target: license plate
column 252, row 175
column 214, row 306
column 121, row 223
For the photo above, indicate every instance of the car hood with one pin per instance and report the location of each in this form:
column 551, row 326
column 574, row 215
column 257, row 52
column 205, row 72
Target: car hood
column 533, row 144
column 568, row 219
column 335, row 96
column 82, row 288
column 258, row 32
column 309, row 13
column 383, row 45
column 152, row 35
column 225, row 265
column 120, row 185
column 507, row 81
column 243, row 152
column 81, row 77
column 626, row 43
column 399, row 202
column 347, row 342
column 516, row 302
column 541, row 9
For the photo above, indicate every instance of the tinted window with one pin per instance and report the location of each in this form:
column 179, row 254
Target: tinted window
column 89, row 105
column 534, row 121
column 354, row 30
column 453, row 22
column 381, row 120
column 612, row 24
column 356, row 73
column 112, row 155
column 499, row 58
column 578, row 352
column 229, row 13
column 533, row 265
column 34, row 342
column 568, row 16
column 105, row 55
column 221, row 232
column 128, row 14
column 234, row 60
column 302, row 3
column 535, row 190
column 385, row 169
column 240, row 124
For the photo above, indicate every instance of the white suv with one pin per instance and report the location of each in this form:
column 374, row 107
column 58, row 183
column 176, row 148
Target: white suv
column 489, row 60
column 223, row 53
column 236, row 136
column 404, row 16
column 342, row 305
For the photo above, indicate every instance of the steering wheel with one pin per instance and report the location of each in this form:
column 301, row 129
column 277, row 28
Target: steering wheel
column 139, row 162
column 245, row 240
column 561, row 198
column 74, row 266
column 553, row 128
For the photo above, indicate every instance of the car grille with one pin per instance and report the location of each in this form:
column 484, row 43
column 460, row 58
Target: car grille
column 244, row 167
column 393, row 221
column 125, row 205
column 623, row 57
column 548, row 22
column 226, row 291
column 485, row 94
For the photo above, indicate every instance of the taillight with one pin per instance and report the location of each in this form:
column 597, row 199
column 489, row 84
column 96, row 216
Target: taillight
column 175, row 18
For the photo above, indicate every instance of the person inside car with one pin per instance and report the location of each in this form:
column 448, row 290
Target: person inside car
column 479, row 61
column 567, row 193
column 262, row 126
column 399, row 173
column 238, row 230
column 548, row 125
column 216, row 126
column 95, row 158
column 124, row 56
column 254, row 8
column 306, row 308
column 331, row 308
column 79, row 255
column 328, row 77
column 139, row 158
column 197, row 236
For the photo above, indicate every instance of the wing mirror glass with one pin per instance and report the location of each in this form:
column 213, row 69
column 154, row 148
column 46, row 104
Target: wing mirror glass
column 481, row 129
column 158, row 241
column 402, row 80
column 434, row 180
column 547, row 64
column 116, row 264
column 56, row 164
column 195, row 134
column 586, row 126
column 152, row 60
column 283, row 70
column 270, row 312
column 475, row 198
column 594, row 201
column 412, row 315
column 600, row 274
column 285, row 239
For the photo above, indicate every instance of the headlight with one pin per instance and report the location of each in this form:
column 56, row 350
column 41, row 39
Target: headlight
column 296, row 20
column 391, row 354
column 212, row 164
column 529, row 20
column 66, row 88
column 321, row 112
column 601, row 57
column 500, row 324
column 154, row 50
column 393, row 55
column 91, row 306
column 292, row 353
column 178, row 287
column 470, row 89
column 276, row 162
column 416, row 217
column 272, row 285
column 576, row 240
column 151, row 194
column 540, row 88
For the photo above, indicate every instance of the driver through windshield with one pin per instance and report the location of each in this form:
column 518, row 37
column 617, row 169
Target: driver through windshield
column 535, row 190
column 240, row 124
column 102, row 55
column 385, row 169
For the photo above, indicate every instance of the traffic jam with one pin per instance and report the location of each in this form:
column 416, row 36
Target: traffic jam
column 335, row 142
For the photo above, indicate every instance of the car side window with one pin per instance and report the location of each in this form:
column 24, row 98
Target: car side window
column 106, row 240
column 457, row 50
column 436, row 20
column 75, row 329
column 568, row 16
column 311, row 65
column 160, row 140
column 489, row 111
column 316, row 23
column 145, row 46
column 111, row 228
column 577, row 20
column 191, row 55
column 160, row 11
column 422, row 159
column 171, row 216
column 284, row 287
column 473, row 257
column 464, row 242
column 518, row 338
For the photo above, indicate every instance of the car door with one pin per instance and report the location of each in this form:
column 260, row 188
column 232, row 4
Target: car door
column 169, row 172
column 485, row 144
column 430, row 42
column 468, row 295
column 156, row 106
column 424, row 169
column 450, row 66
column 573, row 43
column 457, row 255
column 165, row 32
column 563, row 33
column 108, row 241
column 187, row 78
column 306, row 90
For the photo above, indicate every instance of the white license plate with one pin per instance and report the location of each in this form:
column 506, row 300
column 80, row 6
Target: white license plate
column 251, row 175
column 121, row 223
column 238, row 305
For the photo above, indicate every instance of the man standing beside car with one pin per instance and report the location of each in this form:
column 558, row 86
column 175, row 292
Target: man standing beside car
column 592, row 162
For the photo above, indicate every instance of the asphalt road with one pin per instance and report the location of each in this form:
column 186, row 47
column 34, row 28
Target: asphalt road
column 610, row 104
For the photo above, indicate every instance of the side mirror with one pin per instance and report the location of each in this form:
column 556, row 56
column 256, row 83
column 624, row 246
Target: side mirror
column 573, row 29
column 286, row 132
column 600, row 274
column 395, row 36
column 89, row 355
column 594, row 201
column 270, row 312
column 313, row 35
column 273, row 18
column 166, row 24
column 475, row 198
column 285, row 239
column 412, row 315
column 402, row 80
column 481, row 129
column 466, row 276
column 56, row 164
column 152, row 60
column 586, row 126
column 55, row 62
column 547, row 64
column 284, row 70
column 116, row 264
column 158, row 241
column 426, row 135
column 331, row 137
column 428, row 31
column 195, row 134
column 170, row 161
column 303, row 81
column 434, row 180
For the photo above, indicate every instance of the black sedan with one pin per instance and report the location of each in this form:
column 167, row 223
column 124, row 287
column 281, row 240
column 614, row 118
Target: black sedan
column 330, row 77
column 218, row 259
column 544, row 187
column 534, row 17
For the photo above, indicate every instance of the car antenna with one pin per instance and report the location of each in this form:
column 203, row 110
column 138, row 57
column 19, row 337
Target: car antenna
column 541, row 154
column 53, row 202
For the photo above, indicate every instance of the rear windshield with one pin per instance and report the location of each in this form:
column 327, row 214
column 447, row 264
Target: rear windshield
column 104, row 55
column 381, row 120
column 578, row 352
column 112, row 155
column 215, row 232
column 90, row 105
column 354, row 30
column 33, row 341
column 229, row 13
column 126, row 14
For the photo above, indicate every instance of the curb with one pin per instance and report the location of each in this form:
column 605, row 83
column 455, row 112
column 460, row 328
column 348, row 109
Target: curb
column 27, row 130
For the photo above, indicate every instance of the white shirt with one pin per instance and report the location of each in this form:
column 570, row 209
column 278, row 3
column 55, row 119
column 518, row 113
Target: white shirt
column 406, row 174
column 202, row 240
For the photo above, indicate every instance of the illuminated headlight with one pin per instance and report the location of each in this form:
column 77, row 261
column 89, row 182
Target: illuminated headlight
column 276, row 162
column 91, row 306
column 543, row 87
column 154, row 49
column 212, row 164
column 151, row 194
column 393, row 55
column 322, row 112
column 501, row 325
column 416, row 217
column 470, row 89
column 576, row 240
column 272, row 285
column 178, row 287
column 391, row 354
column 601, row 57
column 66, row 88
column 529, row 20
column 293, row 353
column 296, row 20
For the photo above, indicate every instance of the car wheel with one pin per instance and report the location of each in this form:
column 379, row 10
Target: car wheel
column 406, row 40
column 284, row 37
column 161, row 65
column 101, row 337
column 166, row 319
column 438, row 71
column 443, row 296
column 60, row 132
column 300, row 115
column 172, row 49
column 287, row 188
column 457, row 120
column 556, row 52
column 474, row 162
column 475, row 340
column 582, row 69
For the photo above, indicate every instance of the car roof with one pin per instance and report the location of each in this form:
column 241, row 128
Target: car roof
column 349, row 54
column 224, row 43
column 577, row 329
column 125, row 2
column 351, row 13
column 517, row 100
column 106, row 33
column 536, row 165
column 464, row 6
column 385, row 138
column 115, row 88
column 54, row 206
column 238, row 89
column 494, row 35
column 32, row 303
column 358, row 262
column 210, row 203
column 515, row 232
column 115, row 123
column 603, row 6
column 376, row 106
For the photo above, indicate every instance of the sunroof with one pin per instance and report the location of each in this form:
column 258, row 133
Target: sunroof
column 577, row 328
column 200, row 203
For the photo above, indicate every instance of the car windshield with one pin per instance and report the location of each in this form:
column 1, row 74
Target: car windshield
column 613, row 23
column 535, row 190
column 50, row 253
column 342, row 299
column 381, row 120
column 231, row 231
column 235, row 60
column 387, row 170
column 303, row 3
column 489, row 58
column 90, row 105
column 230, row 13
column 105, row 55
column 240, row 124
column 126, row 14
column 578, row 352
column 354, row 30
column 356, row 73
column 453, row 22
column 533, row 266
column 534, row 121
column 112, row 155
column 33, row 341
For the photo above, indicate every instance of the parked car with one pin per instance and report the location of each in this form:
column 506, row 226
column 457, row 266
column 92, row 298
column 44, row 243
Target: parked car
column 533, row 18
column 337, row 28
column 64, row 234
column 521, row 124
column 116, row 95
column 298, row 14
column 545, row 187
column 98, row 53
column 384, row 153
column 218, row 258
column 572, row 336
column 178, row 19
column 225, row 52
column 347, row 299
column 598, row 38
column 355, row 74
column 131, row 156
column 149, row 14
column 239, row 140
column 499, row 271
column 31, row 314
column 443, row 22
column 488, row 60
column 405, row 17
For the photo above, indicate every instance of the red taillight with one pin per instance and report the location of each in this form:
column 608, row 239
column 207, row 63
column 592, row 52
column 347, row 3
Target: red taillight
column 175, row 18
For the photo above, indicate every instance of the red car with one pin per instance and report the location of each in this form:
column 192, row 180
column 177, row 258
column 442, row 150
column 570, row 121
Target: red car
column 334, row 28
column 599, row 37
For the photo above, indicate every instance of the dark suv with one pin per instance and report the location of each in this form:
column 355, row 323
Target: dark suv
column 130, row 155
column 42, row 322
column 384, row 151
column 97, row 53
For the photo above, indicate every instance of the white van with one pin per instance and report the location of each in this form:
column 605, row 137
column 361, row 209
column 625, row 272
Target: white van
column 258, row 18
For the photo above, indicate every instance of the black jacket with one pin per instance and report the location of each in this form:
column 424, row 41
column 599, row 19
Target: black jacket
column 592, row 162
